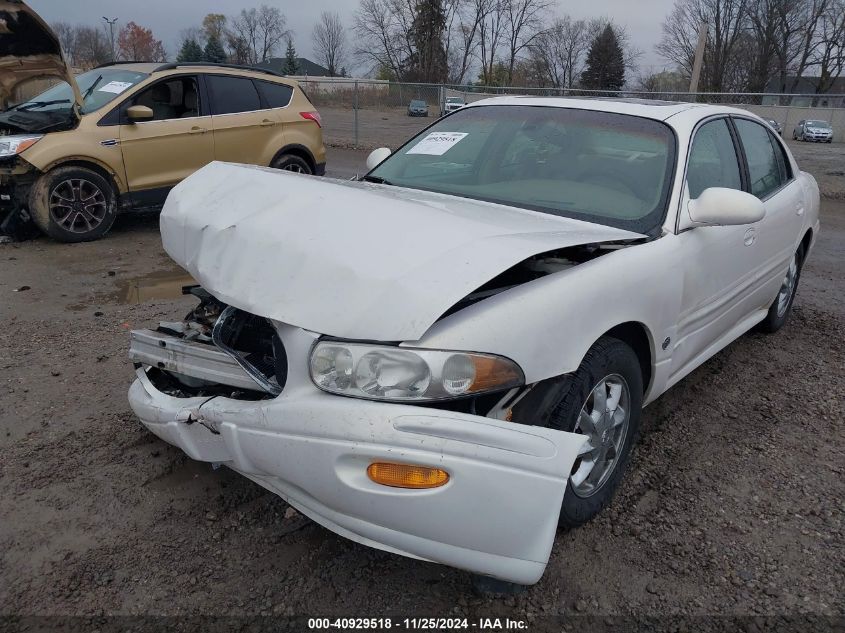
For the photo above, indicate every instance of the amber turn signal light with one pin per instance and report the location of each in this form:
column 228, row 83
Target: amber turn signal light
column 406, row 476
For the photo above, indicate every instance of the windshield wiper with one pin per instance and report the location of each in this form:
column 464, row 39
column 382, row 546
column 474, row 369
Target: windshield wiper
column 39, row 104
column 376, row 179
column 91, row 88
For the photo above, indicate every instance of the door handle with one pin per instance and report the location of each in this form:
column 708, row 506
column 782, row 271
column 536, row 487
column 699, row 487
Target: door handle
column 750, row 237
column 197, row 130
column 267, row 123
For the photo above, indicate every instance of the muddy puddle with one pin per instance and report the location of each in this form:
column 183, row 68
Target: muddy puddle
column 153, row 286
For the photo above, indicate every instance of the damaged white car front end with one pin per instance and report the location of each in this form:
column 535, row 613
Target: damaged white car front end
column 259, row 409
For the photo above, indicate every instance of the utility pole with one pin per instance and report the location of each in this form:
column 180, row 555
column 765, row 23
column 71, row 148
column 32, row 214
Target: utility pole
column 111, row 24
column 699, row 57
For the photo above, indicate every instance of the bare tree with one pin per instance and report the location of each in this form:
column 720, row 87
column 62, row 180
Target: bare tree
column 92, row 48
column 727, row 20
column 491, row 31
column 523, row 23
column 464, row 37
column 67, row 39
column 383, row 31
column 256, row 33
column 559, row 51
column 830, row 53
column 330, row 42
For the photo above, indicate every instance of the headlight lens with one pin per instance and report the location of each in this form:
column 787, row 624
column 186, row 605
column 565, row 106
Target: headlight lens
column 12, row 145
column 400, row 374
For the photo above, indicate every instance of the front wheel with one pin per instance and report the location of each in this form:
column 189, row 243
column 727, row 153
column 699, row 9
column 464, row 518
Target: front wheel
column 73, row 204
column 292, row 162
column 602, row 403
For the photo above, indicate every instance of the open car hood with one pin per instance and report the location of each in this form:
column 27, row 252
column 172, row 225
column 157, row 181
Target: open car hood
column 349, row 259
column 28, row 50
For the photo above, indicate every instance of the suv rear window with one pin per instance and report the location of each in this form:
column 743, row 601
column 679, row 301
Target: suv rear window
column 276, row 95
column 232, row 94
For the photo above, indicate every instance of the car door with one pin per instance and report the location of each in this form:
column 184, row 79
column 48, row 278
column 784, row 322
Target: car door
column 245, row 129
column 719, row 262
column 771, row 179
column 177, row 141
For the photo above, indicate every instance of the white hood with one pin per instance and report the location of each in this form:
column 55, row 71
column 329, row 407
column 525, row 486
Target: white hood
column 349, row 259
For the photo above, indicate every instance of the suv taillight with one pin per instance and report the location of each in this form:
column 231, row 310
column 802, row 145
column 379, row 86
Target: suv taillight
column 312, row 116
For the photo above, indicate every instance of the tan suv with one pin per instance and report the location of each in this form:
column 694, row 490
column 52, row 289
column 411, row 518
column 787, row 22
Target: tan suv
column 120, row 136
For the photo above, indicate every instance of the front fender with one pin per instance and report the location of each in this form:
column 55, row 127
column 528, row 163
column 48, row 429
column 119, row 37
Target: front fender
column 547, row 325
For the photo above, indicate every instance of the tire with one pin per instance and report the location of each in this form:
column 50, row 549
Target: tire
column 73, row 204
column 609, row 365
column 292, row 162
column 782, row 305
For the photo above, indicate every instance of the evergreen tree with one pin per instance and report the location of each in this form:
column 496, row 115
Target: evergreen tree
column 428, row 61
column 605, row 63
column 191, row 51
column 291, row 66
column 214, row 51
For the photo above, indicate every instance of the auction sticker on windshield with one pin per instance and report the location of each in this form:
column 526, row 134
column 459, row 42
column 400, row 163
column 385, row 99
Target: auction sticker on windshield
column 437, row 143
column 115, row 86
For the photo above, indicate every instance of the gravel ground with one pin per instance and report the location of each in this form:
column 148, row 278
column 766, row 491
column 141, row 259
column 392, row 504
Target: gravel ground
column 733, row 506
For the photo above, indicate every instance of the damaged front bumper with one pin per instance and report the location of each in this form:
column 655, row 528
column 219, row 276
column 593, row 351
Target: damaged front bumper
column 496, row 516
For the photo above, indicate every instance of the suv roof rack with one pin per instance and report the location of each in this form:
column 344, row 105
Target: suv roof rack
column 117, row 62
column 256, row 69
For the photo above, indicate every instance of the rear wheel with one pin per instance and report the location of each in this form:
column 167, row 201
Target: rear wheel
column 602, row 403
column 292, row 162
column 782, row 305
column 73, row 204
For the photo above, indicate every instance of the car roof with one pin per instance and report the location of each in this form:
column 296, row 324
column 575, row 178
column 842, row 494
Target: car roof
column 154, row 67
column 648, row 108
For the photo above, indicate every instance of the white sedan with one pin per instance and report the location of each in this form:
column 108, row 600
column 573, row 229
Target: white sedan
column 448, row 359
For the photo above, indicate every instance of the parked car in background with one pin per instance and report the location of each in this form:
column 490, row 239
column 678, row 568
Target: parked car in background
column 453, row 103
column 120, row 136
column 777, row 127
column 448, row 360
column 417, row 107
column 813, row 130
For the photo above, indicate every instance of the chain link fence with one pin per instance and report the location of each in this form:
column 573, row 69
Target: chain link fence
column 371, row 113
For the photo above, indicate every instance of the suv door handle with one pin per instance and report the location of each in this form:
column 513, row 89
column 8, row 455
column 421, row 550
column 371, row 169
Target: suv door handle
column 267, row 123
column 197, row 130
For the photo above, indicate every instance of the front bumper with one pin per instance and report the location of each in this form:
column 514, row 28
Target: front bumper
column 821, row 137
column 496, row 516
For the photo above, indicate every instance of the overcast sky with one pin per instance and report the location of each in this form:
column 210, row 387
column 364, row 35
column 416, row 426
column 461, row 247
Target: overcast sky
column 167, row 18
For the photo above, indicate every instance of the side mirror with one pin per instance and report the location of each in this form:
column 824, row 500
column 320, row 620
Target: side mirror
column 139, row 113
column 377, row 157
column 719, row 206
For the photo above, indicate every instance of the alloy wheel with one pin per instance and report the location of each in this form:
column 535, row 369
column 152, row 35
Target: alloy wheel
column 604, row 420
column 787, row 288
column 294, row 167
column 78, row 205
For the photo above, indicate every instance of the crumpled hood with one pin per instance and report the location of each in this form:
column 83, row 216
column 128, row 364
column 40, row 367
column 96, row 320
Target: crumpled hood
column 349, row 259
column 28, row 49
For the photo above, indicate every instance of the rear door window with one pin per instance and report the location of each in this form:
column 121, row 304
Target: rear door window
column 765, row 171
column 275, row 95
column 230, row 95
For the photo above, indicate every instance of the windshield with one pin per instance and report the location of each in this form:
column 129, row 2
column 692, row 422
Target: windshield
column 600, row 167
column 823, row 124
column 417, row 104
column 98, row 87
column 454, row 100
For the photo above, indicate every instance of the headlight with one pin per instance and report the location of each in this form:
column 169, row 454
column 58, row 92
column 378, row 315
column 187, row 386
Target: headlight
column 12, row 145
column 381, row 372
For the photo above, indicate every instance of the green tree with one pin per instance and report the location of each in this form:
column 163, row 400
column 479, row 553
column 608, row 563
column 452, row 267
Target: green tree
column 605, row 63
column 291, row 66
column 214, row 51
column 191, row 51
column 428, row 61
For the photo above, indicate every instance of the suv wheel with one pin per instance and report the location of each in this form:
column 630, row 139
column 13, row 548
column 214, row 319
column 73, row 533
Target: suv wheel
column 292, row 162
column 73, row 204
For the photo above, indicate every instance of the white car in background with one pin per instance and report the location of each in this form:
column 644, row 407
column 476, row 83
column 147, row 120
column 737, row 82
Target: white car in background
column 453, row 103
column 448, row 360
